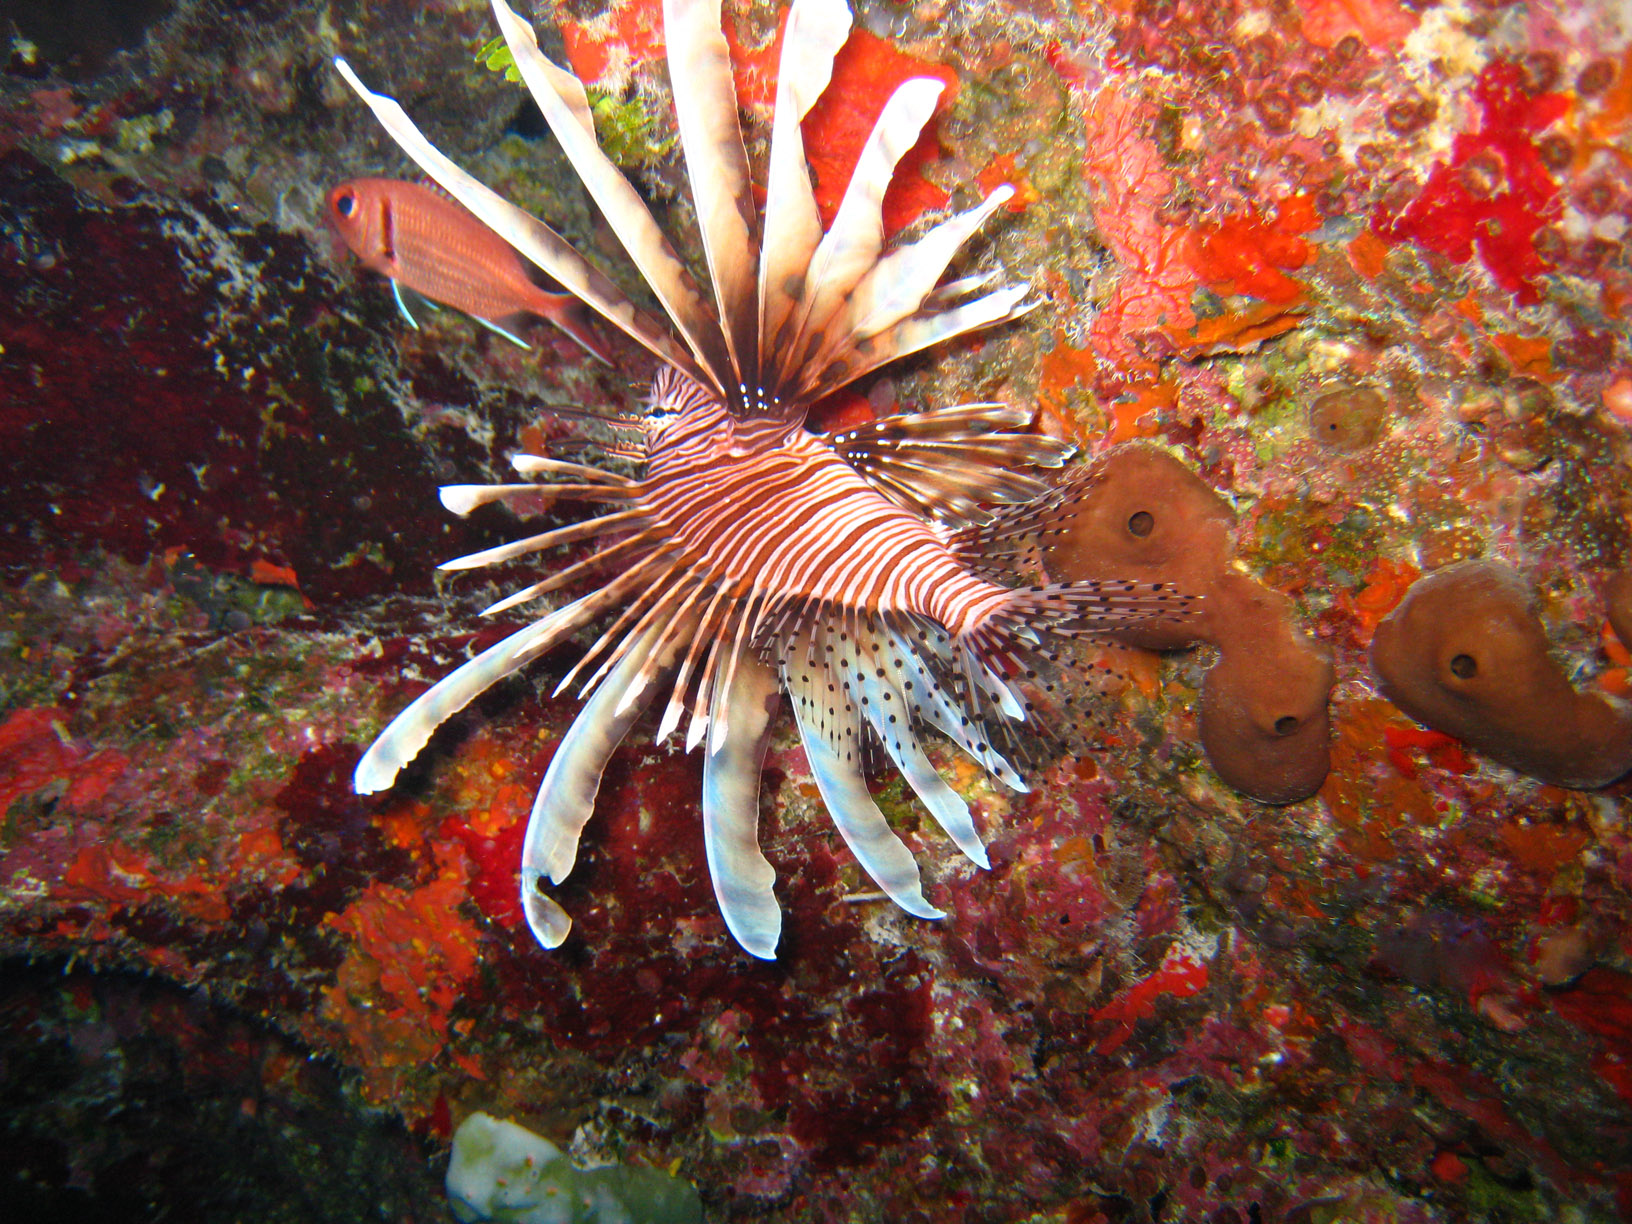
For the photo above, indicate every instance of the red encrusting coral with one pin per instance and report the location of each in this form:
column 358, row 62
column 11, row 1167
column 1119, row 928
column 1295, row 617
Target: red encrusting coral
column 1251, row 255
column 867, row 71
column 1495, row 193
column 37, row 752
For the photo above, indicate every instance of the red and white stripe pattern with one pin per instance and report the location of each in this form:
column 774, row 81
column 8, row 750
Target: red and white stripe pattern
column 753, row 557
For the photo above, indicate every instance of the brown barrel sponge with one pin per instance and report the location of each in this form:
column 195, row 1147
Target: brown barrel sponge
column 1143, row 515
column 1350, row 420
column 1264, row 720
column 1465, row 654
column 1618, row 605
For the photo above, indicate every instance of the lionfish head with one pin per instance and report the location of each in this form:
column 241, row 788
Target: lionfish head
column 754, row 559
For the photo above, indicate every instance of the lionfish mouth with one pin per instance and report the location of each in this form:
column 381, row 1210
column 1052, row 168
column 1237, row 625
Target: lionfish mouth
column 861, row 574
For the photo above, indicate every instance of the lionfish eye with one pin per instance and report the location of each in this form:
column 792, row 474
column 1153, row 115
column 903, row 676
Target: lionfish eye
column 345, row 204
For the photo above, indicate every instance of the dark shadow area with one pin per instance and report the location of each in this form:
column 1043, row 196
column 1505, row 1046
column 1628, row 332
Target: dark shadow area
column 129, row 1098
column 79, row 37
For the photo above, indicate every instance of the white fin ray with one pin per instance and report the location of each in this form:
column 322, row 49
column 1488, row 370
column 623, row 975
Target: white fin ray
column 408, row 732
column 741, row 874
column 815, row 31
column 535, row 240
column 570, row 534
column 538, row 465
column 852, row 245
column 566, row 797
column 598, row 560
column 914, row 333
column 621, row 205
column 707, row 631
column 705, row 103
column 462, row 499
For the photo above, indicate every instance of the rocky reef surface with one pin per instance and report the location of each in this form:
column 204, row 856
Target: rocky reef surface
column 1357, row 270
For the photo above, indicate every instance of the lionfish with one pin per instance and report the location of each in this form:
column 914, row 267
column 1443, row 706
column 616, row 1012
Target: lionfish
column 853, row 572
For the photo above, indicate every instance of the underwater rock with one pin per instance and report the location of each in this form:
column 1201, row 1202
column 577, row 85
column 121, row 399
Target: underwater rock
column 1141, row 514
column 1264, row 720
column 1465, row 654
column 502, row 1171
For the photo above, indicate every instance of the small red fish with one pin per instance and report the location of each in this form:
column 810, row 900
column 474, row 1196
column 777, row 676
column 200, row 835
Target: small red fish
column 422, row 240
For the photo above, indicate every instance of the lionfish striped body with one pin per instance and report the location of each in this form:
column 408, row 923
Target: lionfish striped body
column 754, row 557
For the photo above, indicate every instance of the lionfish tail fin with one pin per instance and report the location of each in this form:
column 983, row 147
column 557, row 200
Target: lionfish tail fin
column 1079, row 609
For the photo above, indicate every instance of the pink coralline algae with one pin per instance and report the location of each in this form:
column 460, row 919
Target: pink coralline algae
column 1495, row 193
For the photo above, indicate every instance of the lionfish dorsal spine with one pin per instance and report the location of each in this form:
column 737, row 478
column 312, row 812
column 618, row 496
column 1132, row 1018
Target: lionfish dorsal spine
column 637, row 231
column 705, row 102
column 811, row 39
column 538, row 242
column 855, row 240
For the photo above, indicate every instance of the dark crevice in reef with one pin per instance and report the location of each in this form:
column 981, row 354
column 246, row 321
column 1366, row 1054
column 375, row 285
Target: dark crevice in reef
column 79, row 38
column 126, row 1097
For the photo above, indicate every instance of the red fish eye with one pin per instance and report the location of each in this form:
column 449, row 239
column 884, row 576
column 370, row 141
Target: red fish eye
column 345, row 204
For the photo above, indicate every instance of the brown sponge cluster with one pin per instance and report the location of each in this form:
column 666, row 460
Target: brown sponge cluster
column 1139, row 513
column 1618, row 605
column 1465, row 654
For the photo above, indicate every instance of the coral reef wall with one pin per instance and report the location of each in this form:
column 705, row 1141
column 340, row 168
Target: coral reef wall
column 1361, row 266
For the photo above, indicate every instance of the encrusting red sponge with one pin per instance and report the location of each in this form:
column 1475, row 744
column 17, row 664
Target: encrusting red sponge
column 1465, row 654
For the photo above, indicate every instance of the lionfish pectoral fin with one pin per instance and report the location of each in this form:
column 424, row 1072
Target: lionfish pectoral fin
column 549, row 923
column 566, row 797
column 904, row 748
column 940, row 712
column 407, row 733
column 882, row 854
column 741, row 874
